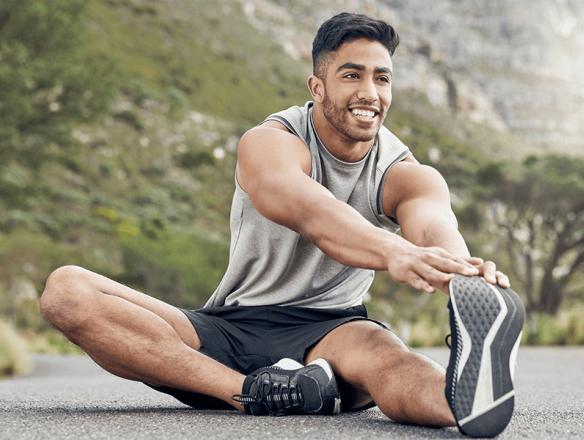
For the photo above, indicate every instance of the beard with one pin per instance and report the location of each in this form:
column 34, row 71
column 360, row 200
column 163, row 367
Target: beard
column 338, row 117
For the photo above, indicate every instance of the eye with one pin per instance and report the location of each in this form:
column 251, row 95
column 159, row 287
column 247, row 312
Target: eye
column 384, row 79
column 352, row 76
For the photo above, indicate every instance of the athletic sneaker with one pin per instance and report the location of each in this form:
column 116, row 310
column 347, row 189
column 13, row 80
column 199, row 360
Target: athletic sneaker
column 288, row 387
column 486, row 322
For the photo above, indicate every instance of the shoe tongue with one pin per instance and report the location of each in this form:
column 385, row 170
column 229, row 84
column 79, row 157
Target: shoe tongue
column 288, row 364
column 308, row 387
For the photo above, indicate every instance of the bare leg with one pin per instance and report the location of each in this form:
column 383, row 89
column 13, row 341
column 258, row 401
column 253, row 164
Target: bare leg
column 407, row 387
column 133, row 335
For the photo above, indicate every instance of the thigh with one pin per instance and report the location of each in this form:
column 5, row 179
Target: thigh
column 78, row 279
column 357, row 351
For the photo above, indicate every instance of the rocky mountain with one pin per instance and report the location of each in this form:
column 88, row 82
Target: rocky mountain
column 515, row 65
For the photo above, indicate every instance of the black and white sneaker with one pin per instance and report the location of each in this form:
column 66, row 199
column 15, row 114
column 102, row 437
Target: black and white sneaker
column 288, row 387
column 486, row 322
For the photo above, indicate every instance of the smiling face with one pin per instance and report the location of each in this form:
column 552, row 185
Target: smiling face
column 355, row 93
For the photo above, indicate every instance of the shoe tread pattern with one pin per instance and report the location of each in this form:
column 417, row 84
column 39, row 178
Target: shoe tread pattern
column 478, row 309
column 504, row 342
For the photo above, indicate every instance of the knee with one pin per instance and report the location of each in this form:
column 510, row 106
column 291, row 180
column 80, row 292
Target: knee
column 374, row 348
column 376, row 339
column 61, row 296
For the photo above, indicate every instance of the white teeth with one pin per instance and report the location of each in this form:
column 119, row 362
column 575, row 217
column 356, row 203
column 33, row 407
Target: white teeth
column 363, row 113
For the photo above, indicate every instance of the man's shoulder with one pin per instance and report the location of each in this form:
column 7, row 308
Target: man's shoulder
column 292, row 112
column 388, row 137
column 409, row 180
column 391, row 148
column 296, row 119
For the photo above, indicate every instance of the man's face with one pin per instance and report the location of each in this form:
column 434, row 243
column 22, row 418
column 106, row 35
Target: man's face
column 358, row 89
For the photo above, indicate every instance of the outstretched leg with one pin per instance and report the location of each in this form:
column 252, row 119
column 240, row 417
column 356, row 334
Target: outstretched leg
column 375, row 364
column 133, row 335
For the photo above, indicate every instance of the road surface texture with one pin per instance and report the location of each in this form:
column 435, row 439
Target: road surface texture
column 69, row 397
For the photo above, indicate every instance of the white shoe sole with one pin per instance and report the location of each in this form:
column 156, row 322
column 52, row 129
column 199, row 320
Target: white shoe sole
column 490, row 321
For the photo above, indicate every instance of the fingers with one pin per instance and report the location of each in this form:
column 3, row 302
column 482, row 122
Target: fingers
column 489, row 271
column 502, row 280
column 430, row 269
column 429, row 275
column 431, row 280
column 475, row 261
column 421, row 284
column 450, row 264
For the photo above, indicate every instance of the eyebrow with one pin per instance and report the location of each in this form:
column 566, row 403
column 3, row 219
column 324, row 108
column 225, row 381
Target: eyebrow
column 361, row 67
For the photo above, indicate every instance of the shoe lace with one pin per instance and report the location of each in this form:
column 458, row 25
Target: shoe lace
column 447, row 340
column 277, row 398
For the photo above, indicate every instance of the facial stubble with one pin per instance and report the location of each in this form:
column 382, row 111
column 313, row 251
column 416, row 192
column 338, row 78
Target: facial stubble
column 338, row 117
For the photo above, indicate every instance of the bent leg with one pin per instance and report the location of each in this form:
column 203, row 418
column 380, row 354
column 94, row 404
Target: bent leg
column 375, row 364
column 133, row 335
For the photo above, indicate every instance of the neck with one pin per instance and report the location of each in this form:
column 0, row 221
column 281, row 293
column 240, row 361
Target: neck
column 338, row 144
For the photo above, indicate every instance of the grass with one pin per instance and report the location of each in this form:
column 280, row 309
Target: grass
column 219, row 61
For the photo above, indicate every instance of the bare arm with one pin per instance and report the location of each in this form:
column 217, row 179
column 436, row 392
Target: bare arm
column 419, row 198
column 273, row 170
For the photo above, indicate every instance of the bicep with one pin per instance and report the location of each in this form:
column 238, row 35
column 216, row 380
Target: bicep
column 273, row 168
column 419, row 199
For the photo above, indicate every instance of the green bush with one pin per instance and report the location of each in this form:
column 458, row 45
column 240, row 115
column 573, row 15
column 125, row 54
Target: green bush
column 131, row 119
column 13, row 355
column 177, row 98
column 194, row 159
column 140, row 91
column 566, row 328
column 48, row 79
column 50, row 341
column 180, row 269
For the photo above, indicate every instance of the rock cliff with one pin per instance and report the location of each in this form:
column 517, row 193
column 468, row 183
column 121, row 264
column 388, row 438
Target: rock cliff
column 515, row 65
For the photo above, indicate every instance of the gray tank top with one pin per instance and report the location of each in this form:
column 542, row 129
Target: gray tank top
column 270, row 264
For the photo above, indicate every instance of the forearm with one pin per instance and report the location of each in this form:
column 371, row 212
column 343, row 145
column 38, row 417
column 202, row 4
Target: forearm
column 444, row 234
column 345, row 235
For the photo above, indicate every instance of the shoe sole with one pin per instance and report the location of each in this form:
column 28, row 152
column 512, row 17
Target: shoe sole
column 489, row 320
column 332, row 387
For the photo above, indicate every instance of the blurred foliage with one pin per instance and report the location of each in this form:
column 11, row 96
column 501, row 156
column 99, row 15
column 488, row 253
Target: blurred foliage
column 13, row 352
column 195, row 54
column 182, row 270
column 566, row 328
column 49, row 342
column 47, row 83
column 535, row 213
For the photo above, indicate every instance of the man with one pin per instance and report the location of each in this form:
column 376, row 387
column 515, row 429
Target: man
column 320, row 193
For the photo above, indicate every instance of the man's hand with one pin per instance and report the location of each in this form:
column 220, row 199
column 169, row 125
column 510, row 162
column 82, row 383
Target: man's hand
column 489, row 271
column 432, row 268
column 419, row 198
column 427, row 268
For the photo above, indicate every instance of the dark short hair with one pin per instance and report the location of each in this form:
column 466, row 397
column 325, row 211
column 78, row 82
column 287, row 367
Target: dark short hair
column 346, row 27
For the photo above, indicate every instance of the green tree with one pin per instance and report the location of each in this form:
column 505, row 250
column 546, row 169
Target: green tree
column 47, row 83
column 535, row 218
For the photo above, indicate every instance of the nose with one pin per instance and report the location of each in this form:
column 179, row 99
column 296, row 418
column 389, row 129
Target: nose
column 367, row 92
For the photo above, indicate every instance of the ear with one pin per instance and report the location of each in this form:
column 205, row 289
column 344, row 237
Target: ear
column 316, row 88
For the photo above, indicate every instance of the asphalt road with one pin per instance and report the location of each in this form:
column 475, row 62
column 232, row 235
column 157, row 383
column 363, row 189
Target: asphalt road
column 72, row 398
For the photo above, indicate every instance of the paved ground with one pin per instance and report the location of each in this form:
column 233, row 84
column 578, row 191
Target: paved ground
column 72, row 398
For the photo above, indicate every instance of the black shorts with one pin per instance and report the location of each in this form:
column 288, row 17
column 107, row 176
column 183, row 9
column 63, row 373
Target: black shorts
column 248, row 338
